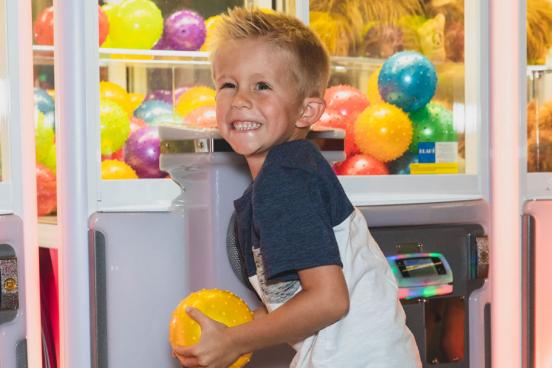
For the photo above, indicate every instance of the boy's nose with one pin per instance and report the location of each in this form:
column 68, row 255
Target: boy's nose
column 241, row 100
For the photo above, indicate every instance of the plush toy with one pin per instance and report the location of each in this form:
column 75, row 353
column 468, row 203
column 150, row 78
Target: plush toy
column 453, row 32
column 360, row 25
column 539, row 136
column 539, row 30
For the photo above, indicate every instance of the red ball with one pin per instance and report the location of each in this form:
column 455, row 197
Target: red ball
column 117, row 155
column 361, row 164
column 103, row 25
column 43, row 28
column 333, row 119
column 45, row 190
column 347, row 100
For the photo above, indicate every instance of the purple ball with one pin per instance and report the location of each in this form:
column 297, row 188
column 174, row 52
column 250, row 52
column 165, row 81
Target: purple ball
column 185, row 30
column 160, row 95
column 142, row 153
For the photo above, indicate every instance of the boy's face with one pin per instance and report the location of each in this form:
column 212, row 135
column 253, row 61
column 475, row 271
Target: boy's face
column 258, row 105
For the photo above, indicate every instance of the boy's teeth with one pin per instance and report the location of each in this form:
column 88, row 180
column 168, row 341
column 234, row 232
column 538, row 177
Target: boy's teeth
column 246, row 125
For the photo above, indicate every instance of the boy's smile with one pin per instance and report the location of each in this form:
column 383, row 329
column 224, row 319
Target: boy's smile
column 258, row 102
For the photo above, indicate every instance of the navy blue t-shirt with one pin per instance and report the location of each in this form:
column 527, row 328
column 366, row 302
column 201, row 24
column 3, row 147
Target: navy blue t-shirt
column 289, row 212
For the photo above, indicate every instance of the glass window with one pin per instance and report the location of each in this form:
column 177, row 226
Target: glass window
column 397, row 84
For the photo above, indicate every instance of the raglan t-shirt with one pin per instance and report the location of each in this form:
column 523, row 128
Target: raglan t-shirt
column 296, row 215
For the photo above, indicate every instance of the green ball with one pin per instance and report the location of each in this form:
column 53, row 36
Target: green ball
column 135, row 24
column 432, row 123
column 44, row 137
column 114, row 126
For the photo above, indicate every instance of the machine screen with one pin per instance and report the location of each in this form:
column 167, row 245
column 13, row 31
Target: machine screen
column 418, row 267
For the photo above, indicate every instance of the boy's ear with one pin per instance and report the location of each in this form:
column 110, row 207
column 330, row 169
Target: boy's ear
column 312, row 110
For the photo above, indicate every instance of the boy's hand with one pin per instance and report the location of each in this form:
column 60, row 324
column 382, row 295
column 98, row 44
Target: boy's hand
column 215, row 348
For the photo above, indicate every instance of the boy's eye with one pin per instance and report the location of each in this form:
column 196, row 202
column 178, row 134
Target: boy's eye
column 261, row 86
column 227, row 85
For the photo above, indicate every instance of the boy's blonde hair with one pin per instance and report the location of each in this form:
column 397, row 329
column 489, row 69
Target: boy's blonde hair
column 285, row 32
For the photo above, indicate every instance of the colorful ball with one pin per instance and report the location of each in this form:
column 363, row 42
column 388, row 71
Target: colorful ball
column 219, row 305
column 361, row 164
column 43, row 28
column 114, row 126
column 136, row 123
column 202, row 117
column 43, row 101
column 210, row 25
column 50, row 160
column 45, row 190
column 373, row 92
column 116, row 170
column 333, row 119
column 432, row 123
column 345, row 99
column 185, row 30
column 135, row 99
column 44, row 137
column 173, row 119
column 161, row 95
column 135, row 24
column 151, row 109
column 142, row 153
column 115, row 93
column 407, row 80
column 103, row 25
column 383, row 131
column 193, row 98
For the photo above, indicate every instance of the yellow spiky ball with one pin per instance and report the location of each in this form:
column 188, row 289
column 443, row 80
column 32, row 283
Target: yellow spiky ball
column 383, row 131
column 220, row 305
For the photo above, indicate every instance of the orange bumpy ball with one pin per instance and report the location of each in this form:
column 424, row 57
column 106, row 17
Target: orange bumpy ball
column 383, row 131
column 193, row 98
column 115, row 169
column 219, row 305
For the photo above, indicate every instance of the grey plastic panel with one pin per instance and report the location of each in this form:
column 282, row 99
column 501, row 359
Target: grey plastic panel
column 12, row 324
column 144, row 264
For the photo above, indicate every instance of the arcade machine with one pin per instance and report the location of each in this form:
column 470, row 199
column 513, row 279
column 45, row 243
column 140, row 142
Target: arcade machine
column 20, row 338
column 130, row 249
column 535, row 148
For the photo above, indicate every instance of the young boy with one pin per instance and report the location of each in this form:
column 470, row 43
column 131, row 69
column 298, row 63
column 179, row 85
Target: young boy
column 308, row 253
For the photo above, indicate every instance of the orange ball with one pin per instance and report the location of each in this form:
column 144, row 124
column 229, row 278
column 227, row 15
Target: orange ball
column 220, row 305
column 383, row 131
column 193, row 98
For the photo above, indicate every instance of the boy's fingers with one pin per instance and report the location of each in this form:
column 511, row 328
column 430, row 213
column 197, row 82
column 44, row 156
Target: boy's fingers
column 197, row 316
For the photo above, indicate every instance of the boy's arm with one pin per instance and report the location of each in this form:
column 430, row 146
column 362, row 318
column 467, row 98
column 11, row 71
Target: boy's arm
column 323, row 300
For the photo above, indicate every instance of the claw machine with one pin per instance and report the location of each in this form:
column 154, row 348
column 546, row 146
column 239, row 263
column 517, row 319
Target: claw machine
column 20, row 330
column 146, row 184
column 537, row 204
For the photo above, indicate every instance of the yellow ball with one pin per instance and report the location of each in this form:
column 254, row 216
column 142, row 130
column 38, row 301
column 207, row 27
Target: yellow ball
column 115, row 169
column 114, row 126
column 116, row 93
column 135, row 99
column 373, row 91
column 219, row 305
column 383, row 131
column 193, row 98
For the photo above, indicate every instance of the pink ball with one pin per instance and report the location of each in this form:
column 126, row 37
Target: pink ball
column 142, row 153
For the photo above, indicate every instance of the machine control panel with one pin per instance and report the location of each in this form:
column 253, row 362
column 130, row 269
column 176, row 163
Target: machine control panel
column 421, row 274
column 9, row 290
